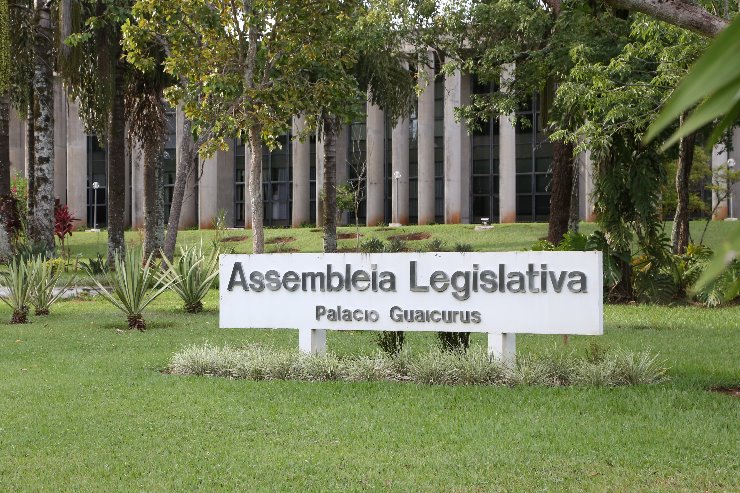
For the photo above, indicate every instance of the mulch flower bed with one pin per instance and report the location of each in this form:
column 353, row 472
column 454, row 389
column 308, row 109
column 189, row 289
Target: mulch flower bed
column 411, row 237
column 279, row 239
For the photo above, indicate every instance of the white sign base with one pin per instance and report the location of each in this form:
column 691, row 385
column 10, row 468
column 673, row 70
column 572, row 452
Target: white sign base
column 312, row 341
column 502, row 347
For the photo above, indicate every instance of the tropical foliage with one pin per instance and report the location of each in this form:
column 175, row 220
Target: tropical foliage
column 192, row 275
column 132, row 286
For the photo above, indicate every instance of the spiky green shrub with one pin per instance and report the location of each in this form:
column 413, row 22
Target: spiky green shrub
column 132, row 286
column 192, row 275
column 16, row 283
column 372, row 245
column 44, row 277
column 391, row 342
column 436, row 245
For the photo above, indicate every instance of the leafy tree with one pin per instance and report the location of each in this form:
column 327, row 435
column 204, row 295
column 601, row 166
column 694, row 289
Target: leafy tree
column 250, row 58
column 96, row 77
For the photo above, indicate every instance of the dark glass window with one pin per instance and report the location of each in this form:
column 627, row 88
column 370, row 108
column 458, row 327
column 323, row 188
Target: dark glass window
column 97, row 200
column 485, row 164
column 533, row 161
column 357, row 150
column 169, row 162
column 439, row 143
column 277, row 187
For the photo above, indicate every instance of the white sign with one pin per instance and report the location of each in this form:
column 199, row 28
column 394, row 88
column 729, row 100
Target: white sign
column 510, row 292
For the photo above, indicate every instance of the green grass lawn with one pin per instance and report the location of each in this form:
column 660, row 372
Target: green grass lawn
column 503, row 237
column 84, row 407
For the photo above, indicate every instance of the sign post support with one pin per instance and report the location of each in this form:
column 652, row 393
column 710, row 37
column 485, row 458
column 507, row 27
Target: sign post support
column 502, row 346
column 312, row 341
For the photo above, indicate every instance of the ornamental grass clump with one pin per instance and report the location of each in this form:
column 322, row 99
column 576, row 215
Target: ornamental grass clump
column 44, row 279
column 17, row 287
column 192, row 275
column 132, row 286
column 433, row 367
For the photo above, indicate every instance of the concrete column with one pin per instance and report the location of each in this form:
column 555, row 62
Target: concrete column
column 457, row 151
column 342, row 155
column 188, row 213
column 301, row 212
column 127, row 184
column 426, row 144
column 586, row 187
column 60, row 141
column 137, row 186
column 719, row 158
column 400, row 162
column 319, row 181
column 375, row 161
column 225, row 184
column 735, row 154
column 208, row 193
column 506, row 158
column 247, row 193
column 76, row 161
column 17, row 134
column 343, row 164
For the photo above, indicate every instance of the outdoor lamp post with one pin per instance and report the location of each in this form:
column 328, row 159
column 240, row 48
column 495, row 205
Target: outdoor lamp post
column 730, row 168
column 96, row 185
column 397, row 176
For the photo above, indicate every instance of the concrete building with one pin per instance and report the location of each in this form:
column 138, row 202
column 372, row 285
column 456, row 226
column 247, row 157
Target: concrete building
column 443, row 173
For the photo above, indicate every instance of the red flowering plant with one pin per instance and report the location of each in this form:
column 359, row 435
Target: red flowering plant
column 63, row 223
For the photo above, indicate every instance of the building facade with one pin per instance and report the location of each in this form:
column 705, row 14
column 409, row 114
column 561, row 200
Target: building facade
column 427, row 168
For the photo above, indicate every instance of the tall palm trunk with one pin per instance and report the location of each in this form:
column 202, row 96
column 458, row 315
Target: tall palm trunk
column 41, row 221
column 561, row 191
column 255, row 189
column 185, row 166
column 330, row 129
column 152, row 163
column 680, row 233
column 116, row 169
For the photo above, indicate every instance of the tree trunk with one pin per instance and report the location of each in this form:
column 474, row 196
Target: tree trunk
column 5, row 248
column 185, row 166
column 677, row 12
column 159, row 211
column 575, row 216
column 152, row 160
column 331, row 126
column 4, row 145
column 561, row 191
column 117, row 169
column 255, row 189
column 680, row 233
column 41, row 222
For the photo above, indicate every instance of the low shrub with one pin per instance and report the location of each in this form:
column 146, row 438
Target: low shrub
column 191, row 275
column 435, row 245
column 17, row 285
column 372, row 245
column 463, row 247
column 44, row 278
column 132, row 286
column 390, row 342
column 433, row 367
column 395, row 245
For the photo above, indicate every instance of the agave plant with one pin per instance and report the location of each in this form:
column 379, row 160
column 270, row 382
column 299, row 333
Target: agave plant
column 133, row 286
column 43, row 277
column 17, row 286
column 191, row 275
